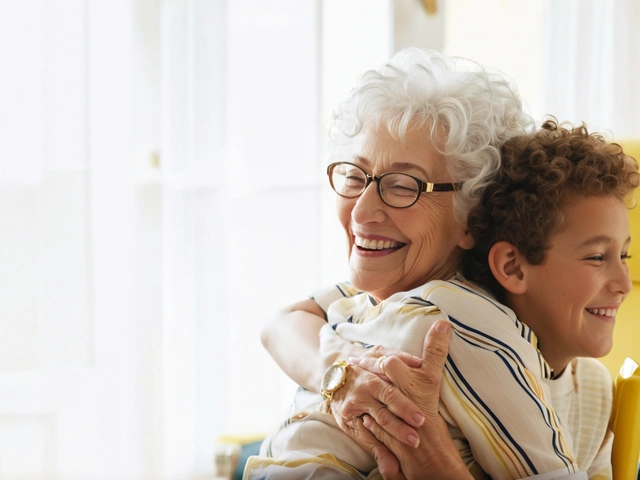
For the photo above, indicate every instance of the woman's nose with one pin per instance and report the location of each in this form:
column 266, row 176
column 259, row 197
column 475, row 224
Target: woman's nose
column 369, row 207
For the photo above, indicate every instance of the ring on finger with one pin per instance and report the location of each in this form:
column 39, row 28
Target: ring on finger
column 380, row 361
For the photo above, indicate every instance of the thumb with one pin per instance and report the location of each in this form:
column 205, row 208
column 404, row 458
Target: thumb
column 422, row 385
column 436, row 347
column 434, row 355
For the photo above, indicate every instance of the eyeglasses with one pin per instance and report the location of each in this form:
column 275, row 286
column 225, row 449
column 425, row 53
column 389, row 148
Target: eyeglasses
column 396, row 189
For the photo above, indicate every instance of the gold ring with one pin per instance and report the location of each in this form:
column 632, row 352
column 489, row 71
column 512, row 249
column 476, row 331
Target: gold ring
column 380, row 360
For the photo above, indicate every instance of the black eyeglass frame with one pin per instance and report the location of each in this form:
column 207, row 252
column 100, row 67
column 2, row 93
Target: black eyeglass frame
column 423, row 187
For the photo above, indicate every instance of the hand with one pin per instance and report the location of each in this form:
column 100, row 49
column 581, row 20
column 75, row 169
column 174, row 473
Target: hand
column 436, row 455
column 369, row 391
column 372, row 359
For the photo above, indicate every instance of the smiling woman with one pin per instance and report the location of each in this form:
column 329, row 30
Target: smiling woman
column 427, row 239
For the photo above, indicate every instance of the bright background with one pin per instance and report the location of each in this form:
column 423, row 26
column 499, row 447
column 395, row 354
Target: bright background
column 162, row 193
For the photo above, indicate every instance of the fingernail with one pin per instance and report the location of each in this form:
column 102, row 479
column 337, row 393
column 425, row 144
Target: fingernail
column 418, row 418
column 414, row 440
column 442, row 327
column 366, row 420
column 354, row 360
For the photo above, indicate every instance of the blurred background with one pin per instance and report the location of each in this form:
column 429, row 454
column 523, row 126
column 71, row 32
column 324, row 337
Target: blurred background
column 162, row 193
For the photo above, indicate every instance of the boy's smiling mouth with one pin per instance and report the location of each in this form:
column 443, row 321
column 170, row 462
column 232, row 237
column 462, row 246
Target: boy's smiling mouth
column 604, row 312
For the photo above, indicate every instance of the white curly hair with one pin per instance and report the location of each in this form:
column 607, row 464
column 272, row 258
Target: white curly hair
column 470, row 111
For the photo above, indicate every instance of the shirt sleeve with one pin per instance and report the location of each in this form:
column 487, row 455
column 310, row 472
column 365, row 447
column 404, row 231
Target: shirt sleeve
column 328, row 295
column 600, row 468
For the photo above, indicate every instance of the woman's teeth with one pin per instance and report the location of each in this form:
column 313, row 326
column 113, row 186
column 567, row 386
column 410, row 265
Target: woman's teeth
column 607, row 312
column 376, row 244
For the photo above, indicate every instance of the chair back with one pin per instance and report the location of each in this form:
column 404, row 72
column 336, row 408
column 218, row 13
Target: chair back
column 626, row 423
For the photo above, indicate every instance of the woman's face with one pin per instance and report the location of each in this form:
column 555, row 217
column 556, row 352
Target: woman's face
column 397, row 249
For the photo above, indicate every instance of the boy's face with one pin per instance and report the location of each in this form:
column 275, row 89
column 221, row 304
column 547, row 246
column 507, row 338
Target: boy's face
column 571, row 300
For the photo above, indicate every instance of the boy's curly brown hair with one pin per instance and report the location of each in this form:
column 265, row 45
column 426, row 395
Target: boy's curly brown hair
column 539, row 175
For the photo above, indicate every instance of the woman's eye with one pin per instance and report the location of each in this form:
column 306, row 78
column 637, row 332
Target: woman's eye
column 400, row 189
column 596, row 258
column 625, row 256
column 354, row 180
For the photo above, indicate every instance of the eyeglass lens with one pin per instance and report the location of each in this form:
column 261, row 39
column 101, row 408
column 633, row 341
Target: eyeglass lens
column 396, row 189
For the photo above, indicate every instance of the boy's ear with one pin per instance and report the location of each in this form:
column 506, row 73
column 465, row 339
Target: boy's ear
column 508, row 267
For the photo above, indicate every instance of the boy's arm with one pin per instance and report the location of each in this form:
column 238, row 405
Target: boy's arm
column 292, row 338
column 600, row 468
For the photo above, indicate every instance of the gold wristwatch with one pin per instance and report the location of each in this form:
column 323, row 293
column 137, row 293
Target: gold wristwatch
column 334, row 378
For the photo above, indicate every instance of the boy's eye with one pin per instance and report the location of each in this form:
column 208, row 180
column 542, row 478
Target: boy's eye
column 601, row 258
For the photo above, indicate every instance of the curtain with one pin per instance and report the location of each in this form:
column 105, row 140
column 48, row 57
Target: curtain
column 593, row 63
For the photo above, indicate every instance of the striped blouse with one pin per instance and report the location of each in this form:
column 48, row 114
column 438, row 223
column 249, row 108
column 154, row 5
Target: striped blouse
column 495, row 396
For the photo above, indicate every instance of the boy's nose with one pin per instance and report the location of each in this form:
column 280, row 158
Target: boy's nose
column 621, row 280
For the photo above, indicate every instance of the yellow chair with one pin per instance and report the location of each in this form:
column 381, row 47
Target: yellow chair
column 626, row 423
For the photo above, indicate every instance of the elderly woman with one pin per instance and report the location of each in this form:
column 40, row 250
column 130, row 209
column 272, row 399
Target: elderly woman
column 426, row 130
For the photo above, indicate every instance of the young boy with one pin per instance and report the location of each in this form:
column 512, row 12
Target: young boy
column 551, row 238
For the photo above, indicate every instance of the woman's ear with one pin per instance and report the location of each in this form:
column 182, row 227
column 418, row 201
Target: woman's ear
column 466, row 241
column 508, row 266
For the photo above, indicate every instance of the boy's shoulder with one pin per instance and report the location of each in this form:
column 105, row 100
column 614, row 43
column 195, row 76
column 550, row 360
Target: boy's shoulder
column 592, row 369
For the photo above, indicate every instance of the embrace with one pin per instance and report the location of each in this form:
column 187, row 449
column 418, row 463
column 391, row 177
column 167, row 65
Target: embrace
column 487, row 261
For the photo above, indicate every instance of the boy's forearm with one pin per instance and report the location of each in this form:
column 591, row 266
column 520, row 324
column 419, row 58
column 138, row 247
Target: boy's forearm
column 292, row 338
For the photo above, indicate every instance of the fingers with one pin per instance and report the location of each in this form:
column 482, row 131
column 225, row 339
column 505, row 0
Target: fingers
column 395, row 426
column 394, row 411
column 422, row 385
column 368, row 393
column 370, row 360
column 388, row 464
column 347, row 415
column 371, row 364
column 396, row 403
column 379, row 432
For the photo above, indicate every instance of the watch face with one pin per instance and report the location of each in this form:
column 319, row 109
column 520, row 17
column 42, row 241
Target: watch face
column 333, row 377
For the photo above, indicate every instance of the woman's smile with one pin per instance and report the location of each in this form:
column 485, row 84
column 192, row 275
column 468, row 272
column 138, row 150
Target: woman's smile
column 373, row 244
